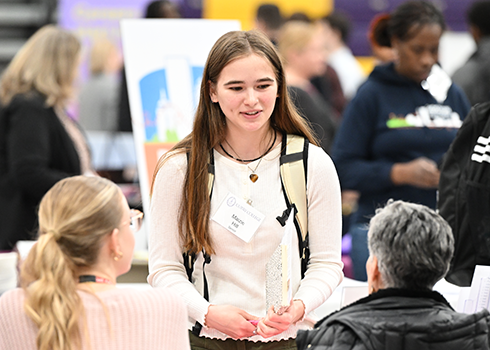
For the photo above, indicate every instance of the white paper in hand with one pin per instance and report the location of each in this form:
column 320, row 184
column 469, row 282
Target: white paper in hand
column 479, row 295
column 278, row 271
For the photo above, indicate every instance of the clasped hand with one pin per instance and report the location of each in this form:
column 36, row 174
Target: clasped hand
column 420, row 172
column 230, row 320
column 274, row 324
column 235, row 322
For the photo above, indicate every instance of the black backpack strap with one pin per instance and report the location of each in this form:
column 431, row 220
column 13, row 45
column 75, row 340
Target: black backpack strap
column 190, row 259
column 196, row 329
column 211, row 173
column 293, row 182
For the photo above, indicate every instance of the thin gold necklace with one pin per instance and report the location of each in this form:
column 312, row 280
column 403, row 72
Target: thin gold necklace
column 253, row 176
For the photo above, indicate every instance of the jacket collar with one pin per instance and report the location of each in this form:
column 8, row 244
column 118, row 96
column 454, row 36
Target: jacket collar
column 395, row 292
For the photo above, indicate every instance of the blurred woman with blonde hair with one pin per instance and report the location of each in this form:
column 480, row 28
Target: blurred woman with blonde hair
column 302, row 47
column 98, row 96
column 39, row 143
column 68, row 298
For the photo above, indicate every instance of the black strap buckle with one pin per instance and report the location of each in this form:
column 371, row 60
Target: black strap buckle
column 285, row 214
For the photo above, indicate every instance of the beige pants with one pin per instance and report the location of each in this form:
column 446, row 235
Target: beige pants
column 201, row 343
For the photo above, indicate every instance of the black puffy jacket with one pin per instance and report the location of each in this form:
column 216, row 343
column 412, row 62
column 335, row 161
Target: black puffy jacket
column 397, row 319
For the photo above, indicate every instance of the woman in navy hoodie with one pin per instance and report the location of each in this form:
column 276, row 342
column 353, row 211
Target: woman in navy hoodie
column 399, row 125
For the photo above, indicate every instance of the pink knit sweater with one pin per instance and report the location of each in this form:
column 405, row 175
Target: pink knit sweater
column 147, row 320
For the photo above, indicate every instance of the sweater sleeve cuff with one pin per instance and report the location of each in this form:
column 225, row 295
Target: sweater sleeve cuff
column 309, row 304
column 385, row 173
column 304, row 312
column 198, row 311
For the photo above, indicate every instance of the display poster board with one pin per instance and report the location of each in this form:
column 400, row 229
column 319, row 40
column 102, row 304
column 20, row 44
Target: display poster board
column 164, row 62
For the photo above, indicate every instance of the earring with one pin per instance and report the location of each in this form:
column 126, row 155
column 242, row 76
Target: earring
column 118, row 256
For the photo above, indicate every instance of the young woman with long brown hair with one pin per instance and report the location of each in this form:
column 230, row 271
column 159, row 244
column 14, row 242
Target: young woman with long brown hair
column 243, row 114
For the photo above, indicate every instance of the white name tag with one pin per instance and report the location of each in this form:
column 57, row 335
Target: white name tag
column 238, row 217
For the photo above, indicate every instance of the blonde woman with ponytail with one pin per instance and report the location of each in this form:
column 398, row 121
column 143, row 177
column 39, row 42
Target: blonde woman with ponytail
column 68, row 299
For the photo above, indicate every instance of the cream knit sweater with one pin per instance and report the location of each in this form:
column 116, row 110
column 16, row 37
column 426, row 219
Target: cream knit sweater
column 154, row 319
column 236, row 274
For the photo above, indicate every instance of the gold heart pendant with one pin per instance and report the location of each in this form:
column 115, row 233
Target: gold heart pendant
column 254, row 177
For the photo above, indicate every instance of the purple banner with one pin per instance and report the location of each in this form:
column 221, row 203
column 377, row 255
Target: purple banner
column 92, row 19
column 88, row 16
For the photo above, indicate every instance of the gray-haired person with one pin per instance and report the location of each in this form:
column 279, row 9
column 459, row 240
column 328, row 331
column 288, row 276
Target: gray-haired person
column 410, row 249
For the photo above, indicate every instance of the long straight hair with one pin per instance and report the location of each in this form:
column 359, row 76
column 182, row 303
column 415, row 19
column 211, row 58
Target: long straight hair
column 209, row 130
column 75, row 215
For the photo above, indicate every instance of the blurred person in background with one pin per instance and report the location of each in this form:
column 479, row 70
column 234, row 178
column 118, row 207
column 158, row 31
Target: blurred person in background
column 336, row 29
column 463, row 197
column 302, row 47
column 154, row 9
column 98, row 97
column 474, row 75
column 162, row 9
column 269, row 20
column 299, row 16
column 383, row 53
column 410, row 249
column 327, row 83
column 69, row 299
column 380, row 44
column 39, row 143
column 396, row 130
